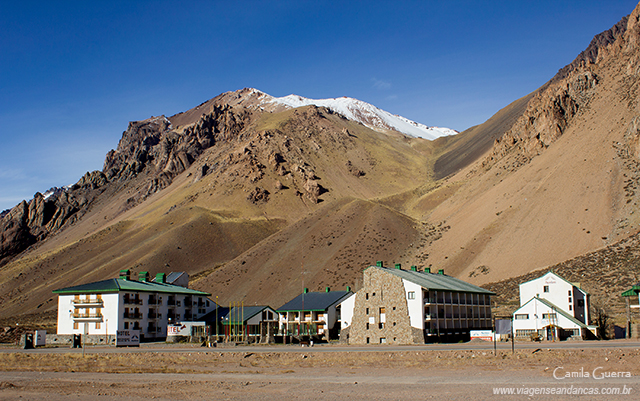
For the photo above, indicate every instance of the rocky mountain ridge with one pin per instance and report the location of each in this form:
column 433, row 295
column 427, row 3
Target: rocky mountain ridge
column 249, row 195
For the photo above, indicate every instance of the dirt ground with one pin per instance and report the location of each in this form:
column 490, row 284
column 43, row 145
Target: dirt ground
column 371, row 375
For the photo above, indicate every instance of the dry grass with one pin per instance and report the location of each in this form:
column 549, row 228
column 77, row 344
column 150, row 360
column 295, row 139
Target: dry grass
column 289, row 362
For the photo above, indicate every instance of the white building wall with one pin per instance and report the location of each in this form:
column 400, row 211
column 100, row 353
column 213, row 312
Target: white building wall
column 415, row 305
column 536, row 309
column 110, row 310
column 346, row 311
column 558, row 293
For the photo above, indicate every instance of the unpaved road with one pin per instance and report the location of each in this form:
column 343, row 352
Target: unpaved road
column 375, row 375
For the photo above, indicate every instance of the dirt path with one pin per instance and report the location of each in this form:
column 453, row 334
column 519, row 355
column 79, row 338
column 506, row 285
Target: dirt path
column 448, row 375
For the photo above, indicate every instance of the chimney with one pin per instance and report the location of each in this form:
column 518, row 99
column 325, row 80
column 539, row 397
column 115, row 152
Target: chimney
column 398, row 266
column 327, row 289
column 427, row 270
column 125, row 274
column 348, row 289
column 379, row 263
column 414, row 269
column 306, row 290
column 143, row 276
column 441, row 271
column 161, row 278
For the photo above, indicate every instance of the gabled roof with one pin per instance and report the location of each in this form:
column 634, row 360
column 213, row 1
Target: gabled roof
column 119, row 284
column 434, row 281
column 555, row 308
column 633, row 291
column 558, row 276
column 314, row 301
column 241, row 314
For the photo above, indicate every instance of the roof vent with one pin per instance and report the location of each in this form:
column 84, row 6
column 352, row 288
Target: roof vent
column 414, row 269
column 398, row 266
column 327, row 289
column 379, row 263
column 125, row 274
column 441, row 271
column 161, row 278
column 143, row 276
column 306, row 290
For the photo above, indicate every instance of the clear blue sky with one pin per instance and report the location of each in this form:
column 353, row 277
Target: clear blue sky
column 74, row 73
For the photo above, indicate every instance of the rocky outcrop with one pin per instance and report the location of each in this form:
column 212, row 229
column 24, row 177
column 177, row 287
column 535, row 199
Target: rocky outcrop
column 30, row 222
column 544, row 121
column 595, row 48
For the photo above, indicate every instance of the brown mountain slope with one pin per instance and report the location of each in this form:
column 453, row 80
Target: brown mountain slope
column 471, row 144
column 254, row 201
column 195, row 197
column 560, row 183
column 604, row 273
column 327, row 248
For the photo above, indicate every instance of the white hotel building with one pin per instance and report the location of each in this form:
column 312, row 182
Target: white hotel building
column 101, row 308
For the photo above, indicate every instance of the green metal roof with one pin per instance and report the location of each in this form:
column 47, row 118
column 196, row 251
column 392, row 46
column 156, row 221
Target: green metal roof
column 119, row 284
column 435, row 281
column 632, row 292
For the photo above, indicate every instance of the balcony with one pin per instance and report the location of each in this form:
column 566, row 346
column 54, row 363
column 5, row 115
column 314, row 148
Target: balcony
column 88, row 303
column 132, row 301
column 132, row 315
column 90, row 317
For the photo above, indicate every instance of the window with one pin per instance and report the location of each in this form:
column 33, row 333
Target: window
column 126, row 325
column 381, row 325
column 549, row 315
column 366, row 295
column 581, row 302
column 75, row 325
column 367, row 326
column 522, row 316
column 411, row 295
column 546, row 288
column 569, row 292
column 367, row 310
column 570, row 307
column 383, row 340
column 97, row 325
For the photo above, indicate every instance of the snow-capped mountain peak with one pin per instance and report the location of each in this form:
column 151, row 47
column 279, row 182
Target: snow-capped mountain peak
column 357, row 110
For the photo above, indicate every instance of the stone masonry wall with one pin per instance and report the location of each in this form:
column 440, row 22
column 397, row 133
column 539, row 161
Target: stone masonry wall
column 382, row 290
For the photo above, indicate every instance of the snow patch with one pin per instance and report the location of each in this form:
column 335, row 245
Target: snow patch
column 365, row 113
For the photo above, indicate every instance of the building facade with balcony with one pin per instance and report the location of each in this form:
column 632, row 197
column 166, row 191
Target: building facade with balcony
column 398, row 306
column 552, row 308
column 312, row 315
column 101, row 308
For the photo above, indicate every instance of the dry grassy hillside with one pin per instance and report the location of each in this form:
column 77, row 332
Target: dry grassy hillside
column 259, row 183
column 560, row 183
column 252, row 202
column 330, row 247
